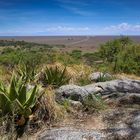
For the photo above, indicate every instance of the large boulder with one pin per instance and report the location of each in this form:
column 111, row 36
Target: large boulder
column 103, row 88
column 75, row 92
column 122, row 85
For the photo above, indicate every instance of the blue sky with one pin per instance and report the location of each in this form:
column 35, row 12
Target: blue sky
column 69, row 17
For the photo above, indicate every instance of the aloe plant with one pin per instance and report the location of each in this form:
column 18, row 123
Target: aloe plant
column 26, row 72
column 55, row 77
column 18, row 93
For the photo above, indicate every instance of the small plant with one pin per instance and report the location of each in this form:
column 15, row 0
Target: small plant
column 83, row 80
column 93, row 103
column 104, row 77
column 17, row 97
column 55, row 111
column 65, row 103
column 18, row 103
column 55, row 77
column 26, row 72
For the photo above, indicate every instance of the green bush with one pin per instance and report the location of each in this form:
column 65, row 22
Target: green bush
column 121, row 55
column 93, row 103
column 76, row 54
column 55, row 77
column 104, row 77
column 128, row 61
column 91, row 58
column 17, row 93
column 109, row 50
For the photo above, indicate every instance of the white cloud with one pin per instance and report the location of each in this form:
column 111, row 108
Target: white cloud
column 123, row 27
column 45, row 30
column 67, row 29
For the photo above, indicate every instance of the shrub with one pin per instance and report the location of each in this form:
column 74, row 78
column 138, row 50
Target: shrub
column 127, row 61
column 121, row 55
column 17, row 104
column 83, row 80
column 93, row 103
column 17, row 93
column 109, row 50
column 76, row 54
column 91, row 58
column 26, row 72
column 104, row 77
column 55, row 76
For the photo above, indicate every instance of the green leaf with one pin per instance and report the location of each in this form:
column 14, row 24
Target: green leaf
column 12, row 91
column 22, row 94
column 31, row 97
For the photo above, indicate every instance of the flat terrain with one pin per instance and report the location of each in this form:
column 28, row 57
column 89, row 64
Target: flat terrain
column 85, row 43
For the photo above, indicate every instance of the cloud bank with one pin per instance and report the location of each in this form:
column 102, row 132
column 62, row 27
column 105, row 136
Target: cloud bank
column 123, row 27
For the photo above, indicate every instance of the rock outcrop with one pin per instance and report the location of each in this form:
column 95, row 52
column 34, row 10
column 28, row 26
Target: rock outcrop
column 120, row 123
column 124, row 86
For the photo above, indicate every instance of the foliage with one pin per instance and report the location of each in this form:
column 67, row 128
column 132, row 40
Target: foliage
column 77, row 54
column 121, row 55
column 91, row 58
column 83, row 80
column 23, row 44
column 13, row 57
column 93, row 103
column 54, row 110
column 65, row 103
column 128, row 61
column 109, row 50
column 18, row 94
column 27, row 72
column 104, row 77
column 55, row 76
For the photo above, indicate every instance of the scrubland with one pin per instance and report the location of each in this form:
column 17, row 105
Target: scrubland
column 31, row 72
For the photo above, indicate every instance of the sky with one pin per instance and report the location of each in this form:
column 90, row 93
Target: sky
column 69, row 17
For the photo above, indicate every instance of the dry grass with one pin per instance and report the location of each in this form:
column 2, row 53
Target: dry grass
column 5, row 74
column 130, row 76
column 55, row 111
column 75, row 71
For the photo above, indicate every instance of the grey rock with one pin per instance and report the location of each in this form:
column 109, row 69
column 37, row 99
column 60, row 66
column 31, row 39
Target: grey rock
column 120, row 130
column 133, row 98
column 122, row 85
column 135, row 125
column 70, row 134
column 71, row 91
column 104, row 88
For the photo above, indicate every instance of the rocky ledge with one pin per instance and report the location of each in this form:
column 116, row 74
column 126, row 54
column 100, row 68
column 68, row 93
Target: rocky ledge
column 126, row 88
column 121, row 123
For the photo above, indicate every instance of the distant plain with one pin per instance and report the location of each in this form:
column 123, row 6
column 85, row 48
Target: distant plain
column 84, row 43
